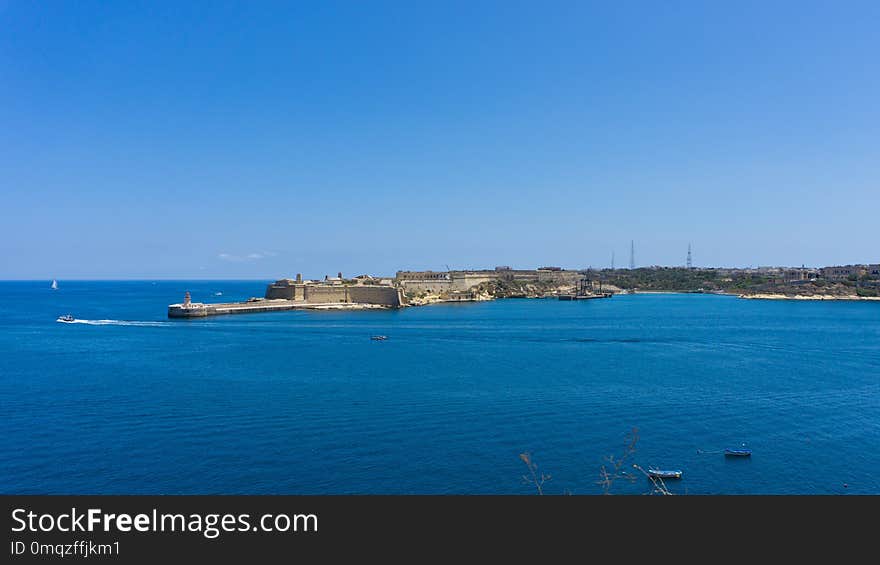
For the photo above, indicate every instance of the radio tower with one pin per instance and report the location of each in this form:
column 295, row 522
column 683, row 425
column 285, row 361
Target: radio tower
column 612, row 260
column 632, row 254
column 690, row 265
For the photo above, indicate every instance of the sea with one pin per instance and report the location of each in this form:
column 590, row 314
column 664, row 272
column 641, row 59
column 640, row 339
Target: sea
column 126, row 401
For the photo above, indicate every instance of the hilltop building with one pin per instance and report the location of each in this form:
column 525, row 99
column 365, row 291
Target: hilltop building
column 843, row 272
column 462, row 281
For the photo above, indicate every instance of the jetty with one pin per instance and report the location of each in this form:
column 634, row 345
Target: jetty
column 587, row 289
column 189, row 309
column 584, row 296
column 200, row 310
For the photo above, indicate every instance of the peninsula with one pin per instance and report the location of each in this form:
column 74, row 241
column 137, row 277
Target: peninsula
column 417, row 288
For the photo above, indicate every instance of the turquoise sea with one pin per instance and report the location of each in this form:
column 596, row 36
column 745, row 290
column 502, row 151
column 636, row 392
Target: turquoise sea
column 306, row 403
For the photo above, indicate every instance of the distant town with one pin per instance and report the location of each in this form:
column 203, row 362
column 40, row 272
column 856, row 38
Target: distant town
column 832, row 282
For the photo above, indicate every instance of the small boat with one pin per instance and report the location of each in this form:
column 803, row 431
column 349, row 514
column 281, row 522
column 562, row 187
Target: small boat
column 66, row 319
column 54, row 285
column 379, row 337
column 218, row 293
column 737, row 452
column 664, row 474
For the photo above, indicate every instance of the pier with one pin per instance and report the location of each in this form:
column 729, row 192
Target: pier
column 587, row 289
column 199, row 310
column 584, row 296
column 324, row 301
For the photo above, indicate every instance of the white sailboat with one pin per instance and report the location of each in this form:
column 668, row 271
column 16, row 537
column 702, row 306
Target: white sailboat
column 54, row 285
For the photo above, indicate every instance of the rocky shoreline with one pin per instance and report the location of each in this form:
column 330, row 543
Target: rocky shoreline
column 437, row 298
column 770, row 296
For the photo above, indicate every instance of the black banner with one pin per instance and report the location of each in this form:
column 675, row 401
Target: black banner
column 128, row 529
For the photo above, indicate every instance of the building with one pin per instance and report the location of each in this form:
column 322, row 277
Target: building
column 799, row 275
column 454, row 281
column 843, row 272
column 335, row 291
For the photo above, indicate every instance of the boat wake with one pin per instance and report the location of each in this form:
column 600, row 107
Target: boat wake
column 119, row 323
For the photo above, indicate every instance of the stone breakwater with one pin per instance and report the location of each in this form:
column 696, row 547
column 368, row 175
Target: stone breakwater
column 289, row 294
column 200, row 310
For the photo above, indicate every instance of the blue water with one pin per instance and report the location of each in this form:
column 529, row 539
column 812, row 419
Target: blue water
column 305, row 402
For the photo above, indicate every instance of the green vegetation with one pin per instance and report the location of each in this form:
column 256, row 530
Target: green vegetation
column 789, row 282
column 668, row 279
column 733, row 281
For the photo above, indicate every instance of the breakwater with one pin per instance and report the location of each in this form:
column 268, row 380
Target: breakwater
column 288, row 294
column 200, row 310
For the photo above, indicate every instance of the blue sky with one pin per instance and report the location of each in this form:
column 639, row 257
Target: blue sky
column 259, row 139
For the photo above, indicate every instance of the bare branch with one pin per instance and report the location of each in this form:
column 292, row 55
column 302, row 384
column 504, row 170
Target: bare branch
column 616, row 466
column 535, row 478
column 657, row 482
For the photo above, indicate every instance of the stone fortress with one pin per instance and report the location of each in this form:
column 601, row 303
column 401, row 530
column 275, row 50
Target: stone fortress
column 394, row 293
column 463, row 281
column 365, row 291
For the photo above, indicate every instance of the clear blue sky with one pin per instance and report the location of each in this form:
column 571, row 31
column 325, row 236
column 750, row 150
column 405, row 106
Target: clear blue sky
column 258, row 139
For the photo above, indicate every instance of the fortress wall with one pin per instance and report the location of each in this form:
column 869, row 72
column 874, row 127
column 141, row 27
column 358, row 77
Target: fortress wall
column 561, row 277
column 466, row 280
column 366, row 294
column 285, row 289
column 323, row 294
column 438, row 285
column 470, row 280
column 281, row 290
column 421, row 275
column 518, row 275
column 385, row 295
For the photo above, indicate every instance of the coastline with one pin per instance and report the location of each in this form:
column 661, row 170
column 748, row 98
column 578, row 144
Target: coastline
column 769, row 296
column 758, row 296
column 676, row 292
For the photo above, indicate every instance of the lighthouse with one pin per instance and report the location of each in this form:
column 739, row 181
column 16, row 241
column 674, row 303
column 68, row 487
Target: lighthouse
column 187, row 300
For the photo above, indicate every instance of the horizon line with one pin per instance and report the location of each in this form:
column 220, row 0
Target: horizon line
column 273, row 278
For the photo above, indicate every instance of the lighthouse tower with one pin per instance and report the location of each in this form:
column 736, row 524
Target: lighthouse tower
column 187, row 300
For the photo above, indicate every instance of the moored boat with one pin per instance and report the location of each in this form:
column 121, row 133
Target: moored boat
column 664, row 473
